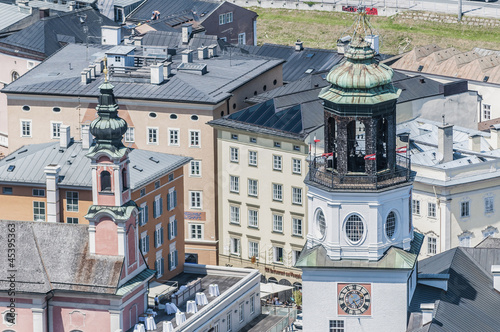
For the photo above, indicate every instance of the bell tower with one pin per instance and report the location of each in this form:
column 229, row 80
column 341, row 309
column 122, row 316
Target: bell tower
column 359, row 260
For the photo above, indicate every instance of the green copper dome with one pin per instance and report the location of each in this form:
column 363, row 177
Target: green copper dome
column 108, row 128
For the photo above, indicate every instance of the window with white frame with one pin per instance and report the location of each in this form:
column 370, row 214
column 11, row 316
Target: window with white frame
column 277, row 164
column 252, row 187
column 55, row 129
column 277, row 223
column 195, row 168
column 228, row 322
column 172, row 227
column 196, row 231
column 252, row 158
column 296, row 226
column 72, row 201
column 194, row 138
column 296, row 166
column 158, row 235
column 26, row 128
column 489, row 231
column 297, row 195
column 152, row 135
column 229, row 17
column 415, row 206
column 222, row 19
column 235, row 246
column 130, row 135
column 253, row 218
column 157, row 184
column 235, row 214
column 173, row 137
column 143, row 192
column 158, row 206
column 464, row 240
column 431, row 245
column 234, row 185
column 486, row 112
column 295, row 256
column 241, row 312
column 195, row 198
column 38, row 211
column 431, row 210
column 72, row 220
column 252, row 304
column 242, row 39
column 159, row 266
column 277, row 254
column 234, row 155
column 336, row 326
column 144, row 242
column 277, row 192
column 171, row 199
column 38, row 192
column 488, row 205
column 465, row 209
column 253, row 249
column 173, row 259
column 143, row 214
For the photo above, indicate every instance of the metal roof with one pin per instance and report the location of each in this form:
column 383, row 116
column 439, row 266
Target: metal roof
column 50, row 34
column 41, row 267
column 174, row 40
column 10, row 14
column 56, row 77
column 470, row 303
column 29, row 162
column 169, row 8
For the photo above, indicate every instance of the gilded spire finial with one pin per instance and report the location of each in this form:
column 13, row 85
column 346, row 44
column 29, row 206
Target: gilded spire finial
column 105, row 71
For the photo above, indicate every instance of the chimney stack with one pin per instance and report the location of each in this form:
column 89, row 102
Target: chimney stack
column 187, row 56
column 85, row 76
column 157, row 73
column 202, row 53
column 299, row 46
column 187, row 29
column 495, row 270
column 445, row 142
column 87, row 138
column 167, row 70
column 65, row 138
column 427, row 312
column 92, row 72
column 495, row 136
column 43, row 12
column 51, row 180
column 212, row 50
column 475, row 143
column 111, row 35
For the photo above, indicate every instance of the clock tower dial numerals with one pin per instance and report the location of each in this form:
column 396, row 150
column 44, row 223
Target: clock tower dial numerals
column 354, row 299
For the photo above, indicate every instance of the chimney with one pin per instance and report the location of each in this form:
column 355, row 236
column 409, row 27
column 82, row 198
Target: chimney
column 138, row 41
column 71, row 5
column 187, row 56
column 445, row 142
column 44, row 12
column 92, row 72
column 65, row 139
column 212, row 50
column 202, row 53
column 99, row 66
column 495, row 136
column 495, row 270
column 299, row 46
column 51, row 180
column 157, row 73
column 475, row 143
column 167, row 70
column 427, row 312
column 187, row 29
column 111, row 35
column 87, row 138
column 85, row 76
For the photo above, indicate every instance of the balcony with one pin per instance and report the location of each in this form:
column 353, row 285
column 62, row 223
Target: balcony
column 320, row 173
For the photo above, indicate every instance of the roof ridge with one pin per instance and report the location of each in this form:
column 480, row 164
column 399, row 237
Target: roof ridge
column 41, row 256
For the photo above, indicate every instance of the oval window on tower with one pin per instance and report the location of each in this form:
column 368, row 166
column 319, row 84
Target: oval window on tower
column 152, row 115
column 354, row 229
column 390, row 225
column 320, row 224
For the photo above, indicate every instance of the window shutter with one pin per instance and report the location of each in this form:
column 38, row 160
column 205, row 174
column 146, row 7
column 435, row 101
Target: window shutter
column 161, row 206
column 161, row 235
column 154, row 209
column 162, row 265
column 175, row 227
column 176, row 258
column 140, row 245
column 168, row 203
column 156, row 242
column 156, row 267
column 170, row 225
column 146, row 214
column 175, row 198
column 147, row 243
column 169, row 263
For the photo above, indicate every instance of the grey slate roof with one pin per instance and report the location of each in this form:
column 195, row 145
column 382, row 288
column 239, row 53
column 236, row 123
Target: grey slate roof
column 54, row 76
column 30, row 161
column 174, row 40
column 10, row 14
column 50, row 34
column 294, row 122
column 41, row 267
column 172, row 8
column 470, row 303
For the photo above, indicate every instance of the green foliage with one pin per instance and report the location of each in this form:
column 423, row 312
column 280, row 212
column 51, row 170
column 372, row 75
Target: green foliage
column 297, row 295
column 310, row 3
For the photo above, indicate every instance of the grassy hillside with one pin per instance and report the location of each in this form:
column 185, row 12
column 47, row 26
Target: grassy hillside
column 321, row 29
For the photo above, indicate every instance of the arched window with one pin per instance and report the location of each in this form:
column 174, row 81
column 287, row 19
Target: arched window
column 124, row 179
column 390, row 225
column 355, row 146
column 354, row 228
column 14, row 76
column 105, row 181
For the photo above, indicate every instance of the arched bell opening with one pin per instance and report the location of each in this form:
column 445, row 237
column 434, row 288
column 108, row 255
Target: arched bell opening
column 381, row 144
column 355, row 146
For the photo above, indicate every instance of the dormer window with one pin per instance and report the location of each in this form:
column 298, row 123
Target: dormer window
column 105, row 181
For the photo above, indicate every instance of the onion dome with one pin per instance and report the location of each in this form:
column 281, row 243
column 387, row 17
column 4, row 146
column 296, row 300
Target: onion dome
column 108, row 128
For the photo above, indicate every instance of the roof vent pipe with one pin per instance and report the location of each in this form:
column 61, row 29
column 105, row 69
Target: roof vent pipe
column 167, row 70
column 445, row 142
column 299, row 45
column 475, row 143
column 495, row 136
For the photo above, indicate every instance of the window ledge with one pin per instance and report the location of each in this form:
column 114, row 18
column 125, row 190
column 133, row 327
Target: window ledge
column 278, row 232
column 108, row 193
column 297, row 235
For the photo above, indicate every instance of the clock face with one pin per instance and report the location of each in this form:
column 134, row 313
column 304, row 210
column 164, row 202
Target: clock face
column 354, row 299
